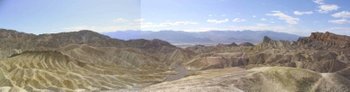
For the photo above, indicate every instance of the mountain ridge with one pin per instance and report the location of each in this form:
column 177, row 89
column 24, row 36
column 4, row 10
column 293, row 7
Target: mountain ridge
column 208, row 37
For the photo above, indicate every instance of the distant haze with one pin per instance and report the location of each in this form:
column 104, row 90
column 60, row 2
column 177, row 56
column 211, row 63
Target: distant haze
column 209, row 37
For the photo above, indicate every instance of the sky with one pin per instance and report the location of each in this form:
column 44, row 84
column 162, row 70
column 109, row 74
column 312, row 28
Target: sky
column 299, row 17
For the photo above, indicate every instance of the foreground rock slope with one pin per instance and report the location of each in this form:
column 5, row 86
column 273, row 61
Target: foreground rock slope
column 262, row 79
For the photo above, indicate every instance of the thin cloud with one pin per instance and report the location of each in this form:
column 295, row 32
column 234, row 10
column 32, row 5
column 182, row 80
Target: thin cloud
column 342, row 14
column 328, row 8
column 81, row 27
column 110, row 28
column 139, row 20
column 176, row 23
column 339, row 21
column 303, row 12
column 216, row 21
column 120, row 20
column 166, row 24
column 254, row 16
column 256, row 27
column 288, row 19
column 325, row 8
column 338, row 30
column 121, row 24
column 319, row 1
column 238, row 20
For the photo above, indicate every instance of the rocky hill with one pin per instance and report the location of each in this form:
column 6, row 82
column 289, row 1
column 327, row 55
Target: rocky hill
column 55, row 71
column 88, row 61
column 325, row 40
column 328, row 56
column 68, row 61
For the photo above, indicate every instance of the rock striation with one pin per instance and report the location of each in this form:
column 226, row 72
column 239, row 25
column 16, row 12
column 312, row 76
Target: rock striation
column 83, row 61
column 325, row 40
column 88, row 61
column 329, row 54
column 262, row 79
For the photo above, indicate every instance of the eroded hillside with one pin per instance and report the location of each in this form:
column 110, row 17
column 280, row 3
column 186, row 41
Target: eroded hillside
column 83, row 60
column 88, row 61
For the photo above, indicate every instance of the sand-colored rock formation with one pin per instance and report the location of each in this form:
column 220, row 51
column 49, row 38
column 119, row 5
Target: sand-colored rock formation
column 325, row 41
column 263, row 79
column 274, row 53
column 88, row 61
column 83, row 61
column 52, row 70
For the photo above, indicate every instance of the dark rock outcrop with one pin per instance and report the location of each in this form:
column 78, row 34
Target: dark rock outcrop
column 246, row 44
column 232, row 44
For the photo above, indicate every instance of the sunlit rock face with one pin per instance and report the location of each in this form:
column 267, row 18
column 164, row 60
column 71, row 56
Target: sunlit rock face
column 263, row 79
column 50, row 70
column 83, row 61
column 301, row 54
column 322, row 52
column 325, row 40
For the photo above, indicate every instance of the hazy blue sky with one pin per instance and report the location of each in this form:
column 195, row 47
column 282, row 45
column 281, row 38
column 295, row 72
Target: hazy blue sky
column 292, row 16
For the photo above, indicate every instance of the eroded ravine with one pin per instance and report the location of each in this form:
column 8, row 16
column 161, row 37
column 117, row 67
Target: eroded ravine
column 180, row 72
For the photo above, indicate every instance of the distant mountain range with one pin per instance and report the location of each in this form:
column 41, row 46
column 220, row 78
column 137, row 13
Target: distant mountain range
column 209, row 37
